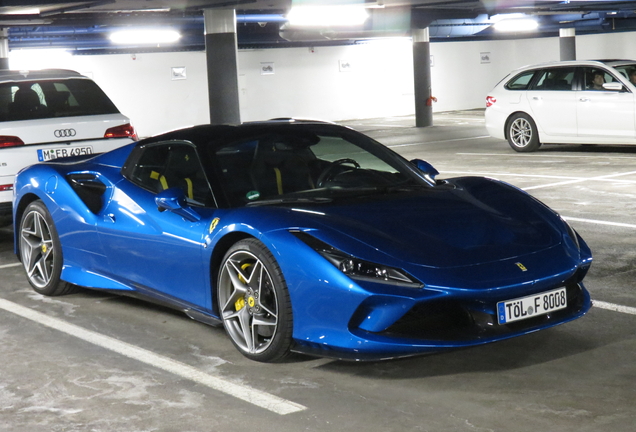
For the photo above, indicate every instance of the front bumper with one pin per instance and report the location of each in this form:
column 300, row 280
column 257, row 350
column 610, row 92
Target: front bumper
column 442, row 324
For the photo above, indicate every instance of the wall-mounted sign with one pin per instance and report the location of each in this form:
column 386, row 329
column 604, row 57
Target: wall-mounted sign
column 345, row 65
column 267, row 68
column 179, row 73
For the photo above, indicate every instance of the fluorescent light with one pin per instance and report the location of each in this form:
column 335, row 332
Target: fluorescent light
column 144, row 36
column 30, row 59
column 24, row 11
column 514, row 22
column 327, row 15
column 516, row 25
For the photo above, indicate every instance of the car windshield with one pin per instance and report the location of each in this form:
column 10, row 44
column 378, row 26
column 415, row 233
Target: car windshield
column 52, row 98
column 309, row 164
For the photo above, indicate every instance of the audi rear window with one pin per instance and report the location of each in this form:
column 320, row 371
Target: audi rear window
column 53, row 98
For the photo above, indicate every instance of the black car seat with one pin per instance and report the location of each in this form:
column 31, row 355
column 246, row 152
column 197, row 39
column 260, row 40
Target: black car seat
column 183, row 170
column 279, row 168
column 26, row 105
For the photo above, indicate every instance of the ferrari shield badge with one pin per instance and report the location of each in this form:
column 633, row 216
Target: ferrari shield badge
column 521, row 266
column 213, row 224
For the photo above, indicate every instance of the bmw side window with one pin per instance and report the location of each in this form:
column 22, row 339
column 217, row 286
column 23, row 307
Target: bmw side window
column 521, row 81
column 629, row 72
column 559, row 79
column 594, row 78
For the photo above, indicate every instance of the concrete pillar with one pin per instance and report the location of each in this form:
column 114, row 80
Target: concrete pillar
column 567, row 43
column 4, row 48
column 221, row 50
column 422, row 78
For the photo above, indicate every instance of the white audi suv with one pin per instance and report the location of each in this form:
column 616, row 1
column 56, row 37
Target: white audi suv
column 48, row 114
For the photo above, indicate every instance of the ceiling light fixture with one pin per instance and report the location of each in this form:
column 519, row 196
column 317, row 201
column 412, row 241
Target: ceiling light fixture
column 34, row 59
column 23, row 11
column 315, row 16
column 514, row 23
column 144, row 37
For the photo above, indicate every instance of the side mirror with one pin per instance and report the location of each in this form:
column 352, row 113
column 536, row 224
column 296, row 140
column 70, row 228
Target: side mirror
column 613, row 86
column 174, row 201
column 426, row 168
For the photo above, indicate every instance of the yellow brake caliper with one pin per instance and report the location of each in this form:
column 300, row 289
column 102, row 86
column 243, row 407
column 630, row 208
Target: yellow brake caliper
column 240, row 303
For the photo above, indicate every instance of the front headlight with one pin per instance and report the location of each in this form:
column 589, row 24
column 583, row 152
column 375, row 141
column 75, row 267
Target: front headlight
column 358, row 269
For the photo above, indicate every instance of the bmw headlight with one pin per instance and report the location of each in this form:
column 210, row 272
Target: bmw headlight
column 358, row 269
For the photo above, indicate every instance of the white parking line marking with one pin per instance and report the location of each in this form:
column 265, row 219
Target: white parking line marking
column 239, row 391
column 599, row 222
column 10, row 265
column 572, row 180
column 508, row 174
column 438, row 142
column 559, row 155
column 605, row 177
column 614, row 307
column 511, row 175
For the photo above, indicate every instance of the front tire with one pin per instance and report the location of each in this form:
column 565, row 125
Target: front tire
column 41, row 251
column 522, row 133
column 254, row 302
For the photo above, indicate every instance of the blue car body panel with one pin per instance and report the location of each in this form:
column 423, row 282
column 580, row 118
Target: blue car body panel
column 472, row 242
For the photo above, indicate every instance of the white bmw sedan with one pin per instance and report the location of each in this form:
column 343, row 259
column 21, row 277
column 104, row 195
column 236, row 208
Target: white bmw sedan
column 579, row 102
column 49, row 114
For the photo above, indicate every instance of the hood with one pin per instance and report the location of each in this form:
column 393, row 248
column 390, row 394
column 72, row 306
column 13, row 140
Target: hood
column 469, row 222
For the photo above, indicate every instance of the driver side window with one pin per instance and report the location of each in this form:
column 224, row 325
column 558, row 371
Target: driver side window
column 165, row 166
column 593, row 78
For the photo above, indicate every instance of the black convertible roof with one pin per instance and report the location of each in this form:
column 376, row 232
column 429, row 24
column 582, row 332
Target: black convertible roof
column 211, row 133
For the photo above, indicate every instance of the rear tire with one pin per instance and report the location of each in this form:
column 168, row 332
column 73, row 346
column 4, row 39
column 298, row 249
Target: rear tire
column 522, row 133
column 41, row 251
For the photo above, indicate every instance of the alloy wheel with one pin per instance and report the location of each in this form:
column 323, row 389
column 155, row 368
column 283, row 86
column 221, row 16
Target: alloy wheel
column 521, row 132
column 37, row 250
column 248, row 303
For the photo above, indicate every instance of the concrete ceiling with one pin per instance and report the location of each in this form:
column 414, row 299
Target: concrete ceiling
column 84, row 26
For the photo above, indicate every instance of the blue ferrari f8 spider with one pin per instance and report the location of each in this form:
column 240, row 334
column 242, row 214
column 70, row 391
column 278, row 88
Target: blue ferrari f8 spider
column 304, row 237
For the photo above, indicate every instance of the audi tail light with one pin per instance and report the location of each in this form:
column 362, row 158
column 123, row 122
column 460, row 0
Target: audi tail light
column 10, row 141
column 490, row 101
column 123, row 131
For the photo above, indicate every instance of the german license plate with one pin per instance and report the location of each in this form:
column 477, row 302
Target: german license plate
column 54, row 153
column 531, row 306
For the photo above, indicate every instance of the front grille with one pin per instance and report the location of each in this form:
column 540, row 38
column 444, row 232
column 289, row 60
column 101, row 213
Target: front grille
column 448, row 320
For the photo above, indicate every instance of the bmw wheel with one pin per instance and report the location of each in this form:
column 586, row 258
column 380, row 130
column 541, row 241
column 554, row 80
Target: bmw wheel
column 522, row 133
column 254, row 302
column 41, row 251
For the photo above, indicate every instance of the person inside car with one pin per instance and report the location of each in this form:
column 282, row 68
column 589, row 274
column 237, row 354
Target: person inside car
column 597, row 81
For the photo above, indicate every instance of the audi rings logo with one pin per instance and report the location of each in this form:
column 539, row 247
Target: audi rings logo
column 64, row 133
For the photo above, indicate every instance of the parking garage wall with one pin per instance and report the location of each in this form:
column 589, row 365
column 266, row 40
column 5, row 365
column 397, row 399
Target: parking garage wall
column 164, row 91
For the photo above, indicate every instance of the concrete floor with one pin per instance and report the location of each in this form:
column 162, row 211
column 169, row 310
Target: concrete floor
column 96, row 362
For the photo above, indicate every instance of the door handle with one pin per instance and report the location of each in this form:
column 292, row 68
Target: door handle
column 536, row 97
column 584, row 99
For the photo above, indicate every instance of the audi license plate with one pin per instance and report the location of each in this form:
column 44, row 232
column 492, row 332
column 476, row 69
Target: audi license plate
column 527, row 307
column 54, row 153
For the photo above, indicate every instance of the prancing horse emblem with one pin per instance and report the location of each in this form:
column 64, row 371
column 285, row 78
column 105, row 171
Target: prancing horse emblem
column 521, row 266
